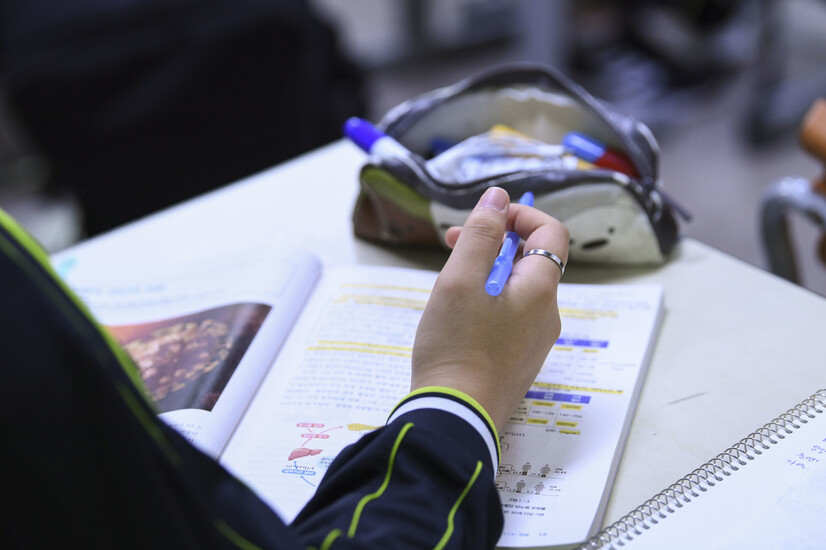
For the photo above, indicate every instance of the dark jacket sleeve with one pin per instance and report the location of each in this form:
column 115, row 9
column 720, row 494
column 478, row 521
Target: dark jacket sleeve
column 88, row 464
column 423, row 481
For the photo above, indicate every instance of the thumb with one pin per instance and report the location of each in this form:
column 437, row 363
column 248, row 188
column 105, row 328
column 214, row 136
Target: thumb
column 481, row 235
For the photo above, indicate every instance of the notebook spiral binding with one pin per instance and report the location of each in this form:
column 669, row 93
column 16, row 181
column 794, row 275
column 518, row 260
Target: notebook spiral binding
column 701, row 479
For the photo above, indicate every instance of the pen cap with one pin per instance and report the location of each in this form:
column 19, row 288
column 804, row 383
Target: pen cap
column 362, row 133
column 583, row 146
column 374, row 141
column 597, row 153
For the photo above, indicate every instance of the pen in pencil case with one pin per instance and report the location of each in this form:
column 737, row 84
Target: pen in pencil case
column 503, row 265
column 372, row 140
column 593, row 151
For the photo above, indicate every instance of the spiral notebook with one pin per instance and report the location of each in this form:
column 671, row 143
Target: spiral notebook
column 766, row 491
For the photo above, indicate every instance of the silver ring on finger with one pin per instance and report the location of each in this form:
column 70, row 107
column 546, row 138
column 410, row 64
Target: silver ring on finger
column 550, row 255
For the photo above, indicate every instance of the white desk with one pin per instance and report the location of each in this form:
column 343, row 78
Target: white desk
column 738, row 346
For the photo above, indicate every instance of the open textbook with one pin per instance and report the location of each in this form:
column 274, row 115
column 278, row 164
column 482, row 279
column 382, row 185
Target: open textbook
column 272, row 365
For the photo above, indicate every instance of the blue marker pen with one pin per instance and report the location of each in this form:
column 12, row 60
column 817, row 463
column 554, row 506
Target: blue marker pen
column 591, row 150
column 372, row 140
column 503, row 265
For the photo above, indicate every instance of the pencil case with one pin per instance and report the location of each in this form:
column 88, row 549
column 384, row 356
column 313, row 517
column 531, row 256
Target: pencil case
column 503, row 128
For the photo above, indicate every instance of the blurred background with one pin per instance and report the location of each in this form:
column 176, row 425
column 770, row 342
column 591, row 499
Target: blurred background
column 110, row 111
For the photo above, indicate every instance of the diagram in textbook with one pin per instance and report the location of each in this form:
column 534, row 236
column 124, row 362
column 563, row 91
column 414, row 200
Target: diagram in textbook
column 309, row 434
column 316, row 438
column 550, row 415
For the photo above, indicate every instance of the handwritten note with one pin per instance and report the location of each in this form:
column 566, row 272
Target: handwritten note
column 810, row 457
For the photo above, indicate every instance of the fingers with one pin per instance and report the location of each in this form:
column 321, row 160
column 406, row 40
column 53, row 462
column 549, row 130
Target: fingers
column 477, row 244
column 544, row 232
column 452, row 235
column 538, row 229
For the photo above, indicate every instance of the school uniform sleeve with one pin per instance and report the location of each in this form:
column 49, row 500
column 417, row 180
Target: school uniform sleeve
column 425, row 480
column 90, row 465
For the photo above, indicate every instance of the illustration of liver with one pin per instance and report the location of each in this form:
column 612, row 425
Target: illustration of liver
column 301, row 452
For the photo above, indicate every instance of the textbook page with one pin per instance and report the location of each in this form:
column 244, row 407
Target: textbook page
column 202, row 331
column 344, row 367
column 562, row 447
column 347, row 364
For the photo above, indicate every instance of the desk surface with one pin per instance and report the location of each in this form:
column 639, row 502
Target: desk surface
column 738, row 346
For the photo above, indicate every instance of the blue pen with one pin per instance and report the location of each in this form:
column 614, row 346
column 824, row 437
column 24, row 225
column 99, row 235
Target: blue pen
column 591, row 150
column 503, row 265
column 372, row 140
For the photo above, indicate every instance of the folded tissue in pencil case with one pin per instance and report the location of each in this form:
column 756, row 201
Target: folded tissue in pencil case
column 523, row 128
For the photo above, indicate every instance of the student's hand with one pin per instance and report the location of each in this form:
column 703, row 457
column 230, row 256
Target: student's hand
column 492, row 347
